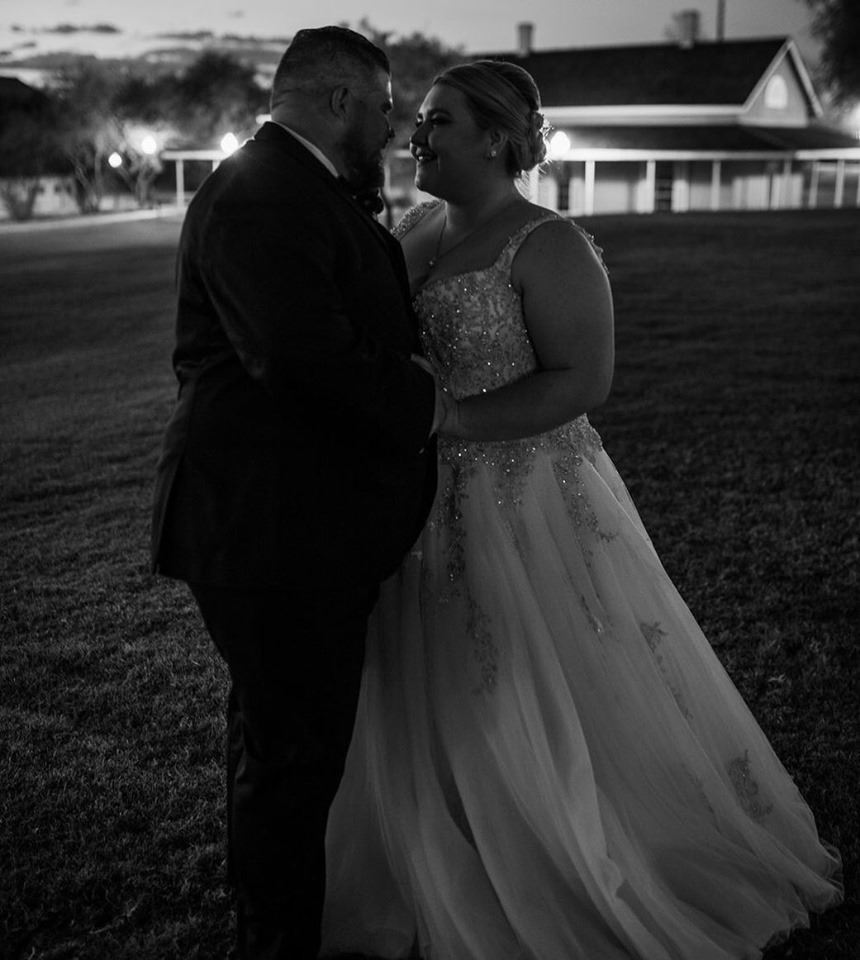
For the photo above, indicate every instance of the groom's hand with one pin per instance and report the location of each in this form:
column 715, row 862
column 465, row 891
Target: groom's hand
column 448, row 419
column 424, row 363
column 446, row 415
column 440, row 411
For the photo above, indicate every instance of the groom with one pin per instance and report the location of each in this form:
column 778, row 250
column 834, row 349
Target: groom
column 298, row 466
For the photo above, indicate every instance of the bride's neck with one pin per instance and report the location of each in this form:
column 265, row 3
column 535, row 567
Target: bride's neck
column 464, row 215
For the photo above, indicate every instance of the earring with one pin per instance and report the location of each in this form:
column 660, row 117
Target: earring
column 492, row 154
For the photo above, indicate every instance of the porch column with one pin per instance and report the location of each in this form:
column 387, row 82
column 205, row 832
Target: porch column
column 589, row 187
column 840, row 183
column 716, row 180
column 785, row 193
column 680, row 186
column 772, row 181
column 813, row 186
column 650, row 198
column 180, row 182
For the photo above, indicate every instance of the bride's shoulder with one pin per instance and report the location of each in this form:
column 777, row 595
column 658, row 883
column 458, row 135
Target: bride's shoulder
column 413, row 216
column 552, row 240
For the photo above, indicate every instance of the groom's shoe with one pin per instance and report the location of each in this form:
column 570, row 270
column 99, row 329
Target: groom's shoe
column 258, row 940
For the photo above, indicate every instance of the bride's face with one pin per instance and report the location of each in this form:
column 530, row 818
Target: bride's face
column 449, row 147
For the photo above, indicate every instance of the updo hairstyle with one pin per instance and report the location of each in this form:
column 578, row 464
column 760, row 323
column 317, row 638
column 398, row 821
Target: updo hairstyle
column 503, row 96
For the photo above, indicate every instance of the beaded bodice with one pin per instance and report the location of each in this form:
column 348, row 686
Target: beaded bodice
column 474, row 334
column 472, row 325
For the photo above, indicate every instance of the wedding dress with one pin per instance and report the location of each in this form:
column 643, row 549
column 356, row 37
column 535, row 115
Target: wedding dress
column 549, row 762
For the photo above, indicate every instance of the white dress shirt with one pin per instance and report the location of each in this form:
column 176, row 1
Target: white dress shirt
column 314, row 149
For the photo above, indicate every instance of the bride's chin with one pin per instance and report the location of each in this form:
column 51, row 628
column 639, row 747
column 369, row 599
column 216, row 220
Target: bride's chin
column 427, row 184
column 424, row 175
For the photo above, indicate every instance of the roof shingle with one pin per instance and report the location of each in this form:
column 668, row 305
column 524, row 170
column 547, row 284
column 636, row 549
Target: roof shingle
column 722, row 73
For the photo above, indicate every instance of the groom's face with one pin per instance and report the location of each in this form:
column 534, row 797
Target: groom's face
column 368, row 132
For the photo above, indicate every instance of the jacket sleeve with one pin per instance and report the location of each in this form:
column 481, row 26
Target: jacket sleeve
column 276, row 277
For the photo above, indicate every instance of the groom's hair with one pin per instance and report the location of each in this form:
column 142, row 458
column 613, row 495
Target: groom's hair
column 322, row 58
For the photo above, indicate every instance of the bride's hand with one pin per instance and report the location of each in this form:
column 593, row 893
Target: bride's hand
column 450, row 423
column 447, row 417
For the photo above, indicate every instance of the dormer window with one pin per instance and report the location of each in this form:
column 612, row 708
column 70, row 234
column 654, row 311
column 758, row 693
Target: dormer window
column 776, row 93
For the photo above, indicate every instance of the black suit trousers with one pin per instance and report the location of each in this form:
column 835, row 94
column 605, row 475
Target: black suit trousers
column 295, row 660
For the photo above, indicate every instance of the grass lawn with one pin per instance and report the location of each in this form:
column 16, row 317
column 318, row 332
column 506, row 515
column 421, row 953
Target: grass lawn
column 735, row 419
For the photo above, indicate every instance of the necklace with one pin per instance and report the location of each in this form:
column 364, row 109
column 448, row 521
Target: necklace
column 431, row 263
column 438, row 254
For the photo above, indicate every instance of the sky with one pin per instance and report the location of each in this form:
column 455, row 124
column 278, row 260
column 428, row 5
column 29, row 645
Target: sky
column 477, row 25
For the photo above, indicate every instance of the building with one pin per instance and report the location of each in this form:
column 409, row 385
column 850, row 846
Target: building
column 23, row 193
column 691, row 125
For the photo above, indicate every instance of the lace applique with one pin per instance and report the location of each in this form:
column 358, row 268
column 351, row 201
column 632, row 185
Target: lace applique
column 593, row 620
column 473, row 333
column 447, row 519
column 654, row 635
column 578, row 440
column 747, row 788
column 448, row 516
column 472, row 326
column 485, row 650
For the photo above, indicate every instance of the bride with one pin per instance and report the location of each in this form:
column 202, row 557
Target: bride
column 549, row 762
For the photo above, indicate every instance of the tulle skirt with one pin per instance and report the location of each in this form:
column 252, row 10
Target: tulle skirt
column 549, row 762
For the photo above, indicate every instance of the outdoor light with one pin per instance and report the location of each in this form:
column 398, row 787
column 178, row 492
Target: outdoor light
column 854, row 121
column 115, row 160
column 229, row 143
column 148, row 145
column 559, row 144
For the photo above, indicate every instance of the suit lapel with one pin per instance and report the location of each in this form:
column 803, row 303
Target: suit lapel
column 275, row 134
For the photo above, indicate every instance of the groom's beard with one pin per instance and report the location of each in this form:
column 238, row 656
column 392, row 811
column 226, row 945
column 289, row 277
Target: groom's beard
column 364, row 164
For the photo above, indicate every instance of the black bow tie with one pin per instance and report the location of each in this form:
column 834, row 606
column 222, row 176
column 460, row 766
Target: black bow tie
column 369, row 200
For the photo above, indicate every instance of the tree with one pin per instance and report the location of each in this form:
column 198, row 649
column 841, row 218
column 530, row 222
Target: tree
column 27, row 152
column 836, row 23
column 143, row 107
column 106, row 110
column 216, row 95
column 28, row 146
column 88, row 126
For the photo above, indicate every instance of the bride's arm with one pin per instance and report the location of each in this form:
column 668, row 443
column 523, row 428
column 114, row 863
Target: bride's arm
column 567, row 305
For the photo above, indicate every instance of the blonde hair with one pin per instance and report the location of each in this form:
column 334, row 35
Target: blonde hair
column 503, row 96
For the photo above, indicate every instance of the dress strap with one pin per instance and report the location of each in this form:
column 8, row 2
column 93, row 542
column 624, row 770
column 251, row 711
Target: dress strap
column 516, row 240
column 416, row 214
column 413, row 216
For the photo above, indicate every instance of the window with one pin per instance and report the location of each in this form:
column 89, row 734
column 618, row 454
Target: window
column 776, row 93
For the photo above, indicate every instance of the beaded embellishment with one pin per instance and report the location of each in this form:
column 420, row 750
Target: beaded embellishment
column 474, row 335
column 747, row 788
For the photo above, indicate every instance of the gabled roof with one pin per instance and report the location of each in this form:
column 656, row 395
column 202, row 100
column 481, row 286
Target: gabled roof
column 712, row 139
column 707, row 73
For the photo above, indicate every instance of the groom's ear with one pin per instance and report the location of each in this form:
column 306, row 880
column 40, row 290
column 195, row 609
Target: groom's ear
column 338, row 102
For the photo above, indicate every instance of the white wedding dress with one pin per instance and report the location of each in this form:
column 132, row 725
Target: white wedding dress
column 549, row 762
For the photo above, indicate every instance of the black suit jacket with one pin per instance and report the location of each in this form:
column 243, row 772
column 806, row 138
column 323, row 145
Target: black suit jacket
column 298, row 452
